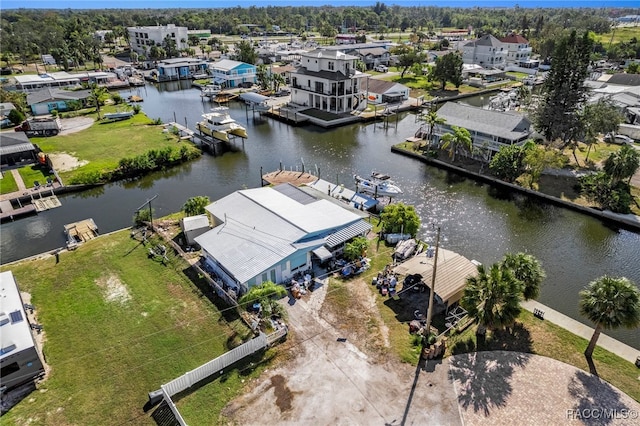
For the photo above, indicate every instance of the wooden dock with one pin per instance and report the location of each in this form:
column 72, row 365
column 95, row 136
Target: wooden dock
column 287, row 115
column 183, row 132
column 80, row 232
column 46, row 203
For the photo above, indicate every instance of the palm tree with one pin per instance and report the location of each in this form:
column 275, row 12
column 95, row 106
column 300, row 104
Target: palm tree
column 622, row 164
column 493, row 297
column 432, row 118
column 610, row 302
column 460, row 138
column 528, row 270
column 97, row 96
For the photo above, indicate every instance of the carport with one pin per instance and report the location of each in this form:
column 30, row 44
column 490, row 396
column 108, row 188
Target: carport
column 451, row 274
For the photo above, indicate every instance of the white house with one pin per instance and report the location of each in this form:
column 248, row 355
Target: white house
column 328, row 80
column 487, row 51
column 19, row 358
column 490, row 130
column 271, row 233
column 231, row 73
column 381, row 91
column 519, row 52
column 142, row 38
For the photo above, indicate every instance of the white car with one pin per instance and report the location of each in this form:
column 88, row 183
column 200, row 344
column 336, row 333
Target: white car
column 381, row 68
column 618, row 139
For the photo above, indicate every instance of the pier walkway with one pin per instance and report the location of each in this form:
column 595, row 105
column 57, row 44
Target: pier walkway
column 579, row 329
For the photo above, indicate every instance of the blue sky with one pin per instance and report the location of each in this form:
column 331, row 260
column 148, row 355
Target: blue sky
column 161, row 4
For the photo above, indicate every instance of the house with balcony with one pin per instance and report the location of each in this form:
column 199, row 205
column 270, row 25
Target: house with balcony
column 372, row 55
column 519, row 54
column 229, row 73
column 182, row 68
column 490, row 130
column 142, row 38
column 486, row 51
column 327, row 79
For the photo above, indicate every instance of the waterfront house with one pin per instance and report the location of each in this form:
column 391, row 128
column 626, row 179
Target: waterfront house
column 486, row 51
column 19, row 358
column 142, row 38
column 272, row 233
column 47, row 100
column 230, row 73
column 382, row 91
column 31, row 82
column 16, row 150
column 181, row 68
column 371, row 55
column 519, row 54
column 490, row 130
column 327, row 79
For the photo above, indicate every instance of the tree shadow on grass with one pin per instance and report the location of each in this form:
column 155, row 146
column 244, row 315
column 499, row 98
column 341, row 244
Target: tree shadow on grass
column 596, row 401
column 483, row 378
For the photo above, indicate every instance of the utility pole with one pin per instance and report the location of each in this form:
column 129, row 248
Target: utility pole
column 150, row 210
column 433, row 283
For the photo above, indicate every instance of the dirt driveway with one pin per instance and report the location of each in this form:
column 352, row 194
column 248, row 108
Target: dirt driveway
column 75, row 124
column 332, row 382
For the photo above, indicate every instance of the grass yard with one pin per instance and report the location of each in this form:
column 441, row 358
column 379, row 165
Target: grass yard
column 618, row 34
column 104, row 144
column 35, row 173
column 117, row 325
column 541, row 337
column 8, row 183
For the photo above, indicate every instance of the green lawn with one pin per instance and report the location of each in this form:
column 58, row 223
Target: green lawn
column 618, row 34
column 7, row 183
column 104, row 144
column 117, row 325
column 35, row 173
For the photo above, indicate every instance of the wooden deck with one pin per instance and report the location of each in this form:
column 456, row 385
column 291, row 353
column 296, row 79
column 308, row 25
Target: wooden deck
column 296, row 178
column 80, row 232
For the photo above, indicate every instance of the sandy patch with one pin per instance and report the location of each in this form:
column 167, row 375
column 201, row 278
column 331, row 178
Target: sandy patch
column 114, row 290
column 63, row 162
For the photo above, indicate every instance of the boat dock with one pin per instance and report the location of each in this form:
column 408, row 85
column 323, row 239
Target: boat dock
column 183, row 132
column 80, row 232
column 46, row 203
column 288, row 115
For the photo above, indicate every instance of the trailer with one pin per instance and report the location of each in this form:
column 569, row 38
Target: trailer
column 40, row 127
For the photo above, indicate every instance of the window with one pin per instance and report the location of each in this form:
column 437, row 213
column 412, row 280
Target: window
column 331, row 65
column 9, row 369
column 273, row 275
column 264, row 277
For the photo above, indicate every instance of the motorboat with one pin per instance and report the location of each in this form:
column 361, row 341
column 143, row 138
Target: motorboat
column 405, row 249
column 378, row 184
column 122, row 115
column 219, row 124
column 211, row 90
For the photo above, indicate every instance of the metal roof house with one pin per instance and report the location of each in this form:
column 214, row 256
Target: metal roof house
column 16, row 149
column 270, row 234
column 489, row 129
column 381, row 91
column 46, row 100
column 232, row 73
column 31, row 82
column 181, row 68
column 19, row 357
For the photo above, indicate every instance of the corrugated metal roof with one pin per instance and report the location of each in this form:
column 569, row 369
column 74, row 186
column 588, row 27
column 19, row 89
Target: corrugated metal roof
column 195, row 222
column 345, row 234
column 502, row 124
column 12, row 149
column 451, row 276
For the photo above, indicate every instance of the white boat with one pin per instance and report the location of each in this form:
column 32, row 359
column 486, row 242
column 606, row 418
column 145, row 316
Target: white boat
column 378, row 184
column 219, row 124
column 211, row 90
column 122, row 115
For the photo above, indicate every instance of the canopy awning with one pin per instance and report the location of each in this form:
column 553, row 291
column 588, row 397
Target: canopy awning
column 219, row 80
column 323, row 253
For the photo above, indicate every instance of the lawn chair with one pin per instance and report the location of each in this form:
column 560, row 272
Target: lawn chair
column 36, row 185
column 49, row 181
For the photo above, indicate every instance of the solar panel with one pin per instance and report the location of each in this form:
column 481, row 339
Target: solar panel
column 15, row 317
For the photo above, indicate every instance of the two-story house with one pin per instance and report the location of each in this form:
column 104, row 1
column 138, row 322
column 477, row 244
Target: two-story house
column 486, row 51
column 229, row 73
column 371, row 55
column 328, row 80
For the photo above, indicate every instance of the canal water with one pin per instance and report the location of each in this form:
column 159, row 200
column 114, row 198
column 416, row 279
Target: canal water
column 475, row 220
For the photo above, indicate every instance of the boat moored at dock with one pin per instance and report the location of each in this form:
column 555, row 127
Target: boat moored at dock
column 378, row 184
column 219, row 124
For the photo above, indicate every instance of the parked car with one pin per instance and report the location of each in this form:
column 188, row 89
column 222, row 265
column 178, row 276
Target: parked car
column 381, row 68
column 618, row 139
column 245, row 84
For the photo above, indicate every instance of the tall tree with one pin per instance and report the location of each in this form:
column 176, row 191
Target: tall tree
column 528, row 270
column 432, row 119
column 246, row 53
column 97, row 96
column 599, row 117
column 610, row 302
column 564, row 90
column 493, row 297
column 622, row 164
column 448, row 68
column 399, row 217
column 508, row 162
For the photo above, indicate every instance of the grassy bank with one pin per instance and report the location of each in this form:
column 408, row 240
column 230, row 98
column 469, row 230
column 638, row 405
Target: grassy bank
column 117, row 325
column 100, row 147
